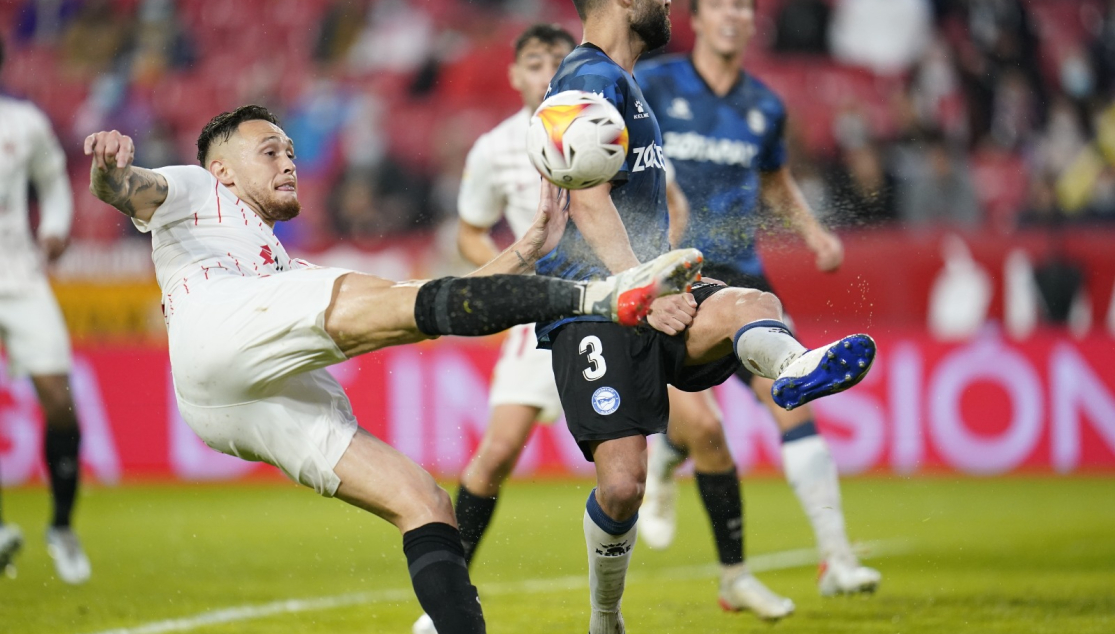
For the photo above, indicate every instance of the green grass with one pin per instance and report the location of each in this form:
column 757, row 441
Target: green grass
column 1005, row 555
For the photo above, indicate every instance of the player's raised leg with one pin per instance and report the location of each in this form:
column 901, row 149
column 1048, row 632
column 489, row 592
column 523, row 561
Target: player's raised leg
column 368, row 313
column 748, row 323
column 379, row 479
column 61, row 442
column 811, row 472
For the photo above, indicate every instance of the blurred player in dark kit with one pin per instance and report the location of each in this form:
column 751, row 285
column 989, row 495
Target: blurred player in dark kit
column 724, row 135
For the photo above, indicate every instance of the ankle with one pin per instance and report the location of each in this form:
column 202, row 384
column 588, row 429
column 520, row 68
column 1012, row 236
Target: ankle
column 730, row 572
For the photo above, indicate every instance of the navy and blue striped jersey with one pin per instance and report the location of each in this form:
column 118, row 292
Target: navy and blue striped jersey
column 718, row 147
column 638, row 190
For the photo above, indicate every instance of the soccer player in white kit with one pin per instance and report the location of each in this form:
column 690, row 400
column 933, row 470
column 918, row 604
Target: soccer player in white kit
column 31, row 326
column 500, row 182
column 251, row 330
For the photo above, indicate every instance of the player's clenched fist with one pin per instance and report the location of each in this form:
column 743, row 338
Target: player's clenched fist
column 110, row 150
column 133, row 190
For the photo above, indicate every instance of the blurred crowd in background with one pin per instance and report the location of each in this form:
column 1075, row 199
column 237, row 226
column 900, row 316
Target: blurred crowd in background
column 979, row 115
column 975, row 114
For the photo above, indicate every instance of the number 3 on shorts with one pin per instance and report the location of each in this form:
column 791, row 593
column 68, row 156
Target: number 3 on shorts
column 591, row 344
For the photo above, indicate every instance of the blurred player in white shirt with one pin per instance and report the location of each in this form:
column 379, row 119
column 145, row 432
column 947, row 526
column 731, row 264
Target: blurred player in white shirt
column 251, row 330
column 499, row 182
column 32, row 330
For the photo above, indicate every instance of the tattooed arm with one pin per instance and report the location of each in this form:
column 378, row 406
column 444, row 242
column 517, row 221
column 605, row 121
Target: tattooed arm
column 135, row 191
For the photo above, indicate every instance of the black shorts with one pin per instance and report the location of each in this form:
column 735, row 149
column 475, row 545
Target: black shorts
column 732, row 277
column 612, row 380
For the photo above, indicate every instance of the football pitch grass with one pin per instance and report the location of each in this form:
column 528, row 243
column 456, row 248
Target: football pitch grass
column 957, row 555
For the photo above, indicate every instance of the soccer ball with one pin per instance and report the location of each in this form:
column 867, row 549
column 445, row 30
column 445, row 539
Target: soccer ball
column 577, row 139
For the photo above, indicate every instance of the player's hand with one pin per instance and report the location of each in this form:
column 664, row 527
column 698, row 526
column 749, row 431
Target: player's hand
column 53, row 247
column 672, row 314
column 828, row 249
column 549, row 223
column 110, row 150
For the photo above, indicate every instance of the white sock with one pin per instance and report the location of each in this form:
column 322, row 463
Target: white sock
column 664, row 458
column 608, row 558
column 766, row 347
column 812, row 474
column 729, row 573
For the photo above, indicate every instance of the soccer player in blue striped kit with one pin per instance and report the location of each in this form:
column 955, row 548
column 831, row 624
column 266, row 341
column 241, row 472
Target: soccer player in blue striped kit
column 723, row 133
column 614, row 385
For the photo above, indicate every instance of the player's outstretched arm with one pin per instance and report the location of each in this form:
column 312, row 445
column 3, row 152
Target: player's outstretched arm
column 135, row 191
column 598, row 221
column 781, row 193
column 596, row 217
column 541, row 238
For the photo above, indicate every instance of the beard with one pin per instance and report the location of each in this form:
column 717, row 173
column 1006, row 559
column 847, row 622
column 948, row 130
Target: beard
column 652, row 24
column 273, row 207
column 287, row 209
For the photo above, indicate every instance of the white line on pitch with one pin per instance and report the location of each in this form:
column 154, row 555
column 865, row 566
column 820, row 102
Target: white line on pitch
column 780, row 560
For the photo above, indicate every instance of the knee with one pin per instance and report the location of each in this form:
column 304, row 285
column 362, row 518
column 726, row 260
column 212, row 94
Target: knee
column 439, row 504
column 742, row 305
column 621, row 499
column 761, row 304
column 425, row 501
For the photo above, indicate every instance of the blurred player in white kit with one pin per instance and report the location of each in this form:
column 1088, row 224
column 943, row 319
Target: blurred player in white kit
column 251, row 330
column 32, row 330
column 499, row 182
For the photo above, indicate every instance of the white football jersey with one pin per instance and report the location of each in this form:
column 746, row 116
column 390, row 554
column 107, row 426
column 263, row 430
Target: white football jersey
column 29, row 151
column 203, row 231
column 499, row 179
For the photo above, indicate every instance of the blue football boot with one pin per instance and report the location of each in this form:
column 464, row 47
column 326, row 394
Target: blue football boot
column 823, row 371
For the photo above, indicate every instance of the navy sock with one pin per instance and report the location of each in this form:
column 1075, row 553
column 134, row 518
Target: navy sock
column 720, row 493
column 606, row 523
column 438, row 572
column 60, row 447
column 474, row 513
column 484, row 305
column 804, row 430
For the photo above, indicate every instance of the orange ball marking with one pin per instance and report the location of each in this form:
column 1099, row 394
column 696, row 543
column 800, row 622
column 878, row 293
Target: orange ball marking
column 622, row 140
column 557, row 120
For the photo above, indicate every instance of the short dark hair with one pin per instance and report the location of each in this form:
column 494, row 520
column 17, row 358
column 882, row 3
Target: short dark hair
column 221, row 127
column 693, row 6
column 584, row 6
column 547, row 34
